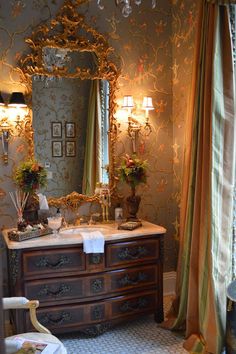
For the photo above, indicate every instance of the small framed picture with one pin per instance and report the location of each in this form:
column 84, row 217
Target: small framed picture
column 70, row 130
column 57, row 148
column 56, row 129
column 70, row 148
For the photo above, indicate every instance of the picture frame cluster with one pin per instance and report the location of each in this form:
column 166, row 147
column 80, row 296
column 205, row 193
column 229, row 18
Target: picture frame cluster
column 57, row 145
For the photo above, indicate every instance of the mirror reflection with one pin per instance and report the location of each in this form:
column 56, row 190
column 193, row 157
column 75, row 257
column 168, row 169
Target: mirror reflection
column 70, row 122
column 71, row 75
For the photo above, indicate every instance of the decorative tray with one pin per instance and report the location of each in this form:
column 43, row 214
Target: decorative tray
column 19, row 236
column 130, row 225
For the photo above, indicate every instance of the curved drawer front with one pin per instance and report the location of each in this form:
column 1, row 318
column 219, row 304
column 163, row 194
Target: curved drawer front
column 48, row 262
column 59, row 289
column 133, row 278
column 56, row 289
column 59, row 318
column 128, row 253
column 131, row 305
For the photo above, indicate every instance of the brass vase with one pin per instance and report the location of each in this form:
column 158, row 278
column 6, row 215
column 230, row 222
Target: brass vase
column 132, row 203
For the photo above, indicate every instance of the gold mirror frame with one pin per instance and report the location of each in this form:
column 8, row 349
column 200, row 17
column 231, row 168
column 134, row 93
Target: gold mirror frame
column 63, row 32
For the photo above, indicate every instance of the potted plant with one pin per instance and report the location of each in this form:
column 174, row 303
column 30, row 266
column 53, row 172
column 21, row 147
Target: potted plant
column 29, row 176
column 133, row 171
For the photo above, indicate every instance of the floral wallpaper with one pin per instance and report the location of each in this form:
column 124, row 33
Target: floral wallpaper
column 155, row 50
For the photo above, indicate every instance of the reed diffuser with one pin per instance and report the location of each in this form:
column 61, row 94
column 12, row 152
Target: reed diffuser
column 19, row 199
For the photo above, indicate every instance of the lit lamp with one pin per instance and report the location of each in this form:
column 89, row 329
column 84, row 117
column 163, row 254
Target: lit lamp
column 128, row 103
column 133, row 124
column 16, row 100
column 147, row 106
column 5, row 135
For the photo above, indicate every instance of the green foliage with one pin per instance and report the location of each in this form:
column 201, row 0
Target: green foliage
column 133, row 171
column 30, row 176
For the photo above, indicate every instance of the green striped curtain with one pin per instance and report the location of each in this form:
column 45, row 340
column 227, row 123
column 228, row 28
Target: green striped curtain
column 92, row 159
column 205, row 254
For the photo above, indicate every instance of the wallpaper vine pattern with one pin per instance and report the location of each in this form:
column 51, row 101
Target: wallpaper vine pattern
column 155, row 48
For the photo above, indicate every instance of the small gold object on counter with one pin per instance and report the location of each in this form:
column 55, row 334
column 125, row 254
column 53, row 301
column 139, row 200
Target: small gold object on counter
column 130, row 225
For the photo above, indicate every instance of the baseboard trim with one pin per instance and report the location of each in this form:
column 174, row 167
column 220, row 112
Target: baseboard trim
column 169, row 280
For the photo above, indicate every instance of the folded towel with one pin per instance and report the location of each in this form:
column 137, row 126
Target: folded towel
column 43, row 203
column 93, row 242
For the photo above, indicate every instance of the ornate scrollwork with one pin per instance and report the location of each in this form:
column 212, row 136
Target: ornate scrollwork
column 58, row 319
column 48, row 291
column 96, row 330
column 97, row 285
column 14, row 264
column 134, row 305
column 132, row 253
column 97, row 312
column 95, row 258
column 127, row 280
column 65, row 33
column 45, row 262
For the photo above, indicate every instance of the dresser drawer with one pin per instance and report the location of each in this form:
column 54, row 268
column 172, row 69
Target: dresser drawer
column 59, row 318
column 48, row 262
column 126, row 279
column 55, row 289
column 129, row 253
column 59, row 289
column 130, row 305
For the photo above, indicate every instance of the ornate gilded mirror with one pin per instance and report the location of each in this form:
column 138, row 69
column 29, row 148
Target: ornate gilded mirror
column 71, row 80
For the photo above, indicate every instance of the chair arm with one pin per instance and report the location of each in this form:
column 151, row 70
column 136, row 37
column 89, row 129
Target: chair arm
column 23, row 303
column 14, row 303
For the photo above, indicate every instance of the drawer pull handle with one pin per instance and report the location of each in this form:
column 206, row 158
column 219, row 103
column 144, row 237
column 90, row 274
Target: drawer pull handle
column 51, row 320
column 45, row 262
column 126, row 280
column 132, row 253
column 139, row 304
column 46, row 291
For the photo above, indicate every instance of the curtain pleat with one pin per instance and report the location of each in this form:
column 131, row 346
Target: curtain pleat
column 204, row 264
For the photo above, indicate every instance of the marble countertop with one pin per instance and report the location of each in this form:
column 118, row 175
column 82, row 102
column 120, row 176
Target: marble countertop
column 109, row 231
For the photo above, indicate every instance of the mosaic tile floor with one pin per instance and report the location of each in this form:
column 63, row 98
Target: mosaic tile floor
column 137, row 337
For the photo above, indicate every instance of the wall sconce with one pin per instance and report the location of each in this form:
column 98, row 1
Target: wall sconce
column 16, row 100
column 135, row 126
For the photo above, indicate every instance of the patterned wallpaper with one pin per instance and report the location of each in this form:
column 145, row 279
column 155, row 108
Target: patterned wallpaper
column 155, row 49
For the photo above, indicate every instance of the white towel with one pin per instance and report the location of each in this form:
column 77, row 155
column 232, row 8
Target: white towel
column 93, row 242
column 43, row 203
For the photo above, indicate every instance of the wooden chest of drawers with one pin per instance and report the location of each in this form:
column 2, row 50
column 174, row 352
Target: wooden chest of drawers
column 89, row 293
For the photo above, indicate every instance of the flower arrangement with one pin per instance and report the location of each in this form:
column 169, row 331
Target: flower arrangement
column 133, row 171
column 30, row 175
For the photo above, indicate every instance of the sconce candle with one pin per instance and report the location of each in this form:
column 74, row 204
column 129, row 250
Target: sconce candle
column 147, row 104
